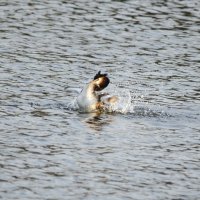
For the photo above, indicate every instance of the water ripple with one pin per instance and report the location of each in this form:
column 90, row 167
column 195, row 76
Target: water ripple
column 148, row 149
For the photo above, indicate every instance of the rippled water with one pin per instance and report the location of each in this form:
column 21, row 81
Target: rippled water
column 151, row 51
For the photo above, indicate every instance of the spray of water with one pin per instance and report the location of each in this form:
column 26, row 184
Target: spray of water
column 124, row 102
column 134, row 103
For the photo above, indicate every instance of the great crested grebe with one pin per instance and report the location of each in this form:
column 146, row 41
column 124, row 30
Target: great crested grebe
column 89, row 100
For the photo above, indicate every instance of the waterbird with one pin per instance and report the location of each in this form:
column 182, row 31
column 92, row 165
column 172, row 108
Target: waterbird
column 91, row 100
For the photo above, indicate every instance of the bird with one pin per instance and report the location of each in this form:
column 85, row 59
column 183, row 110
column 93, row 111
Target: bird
column 91, row 100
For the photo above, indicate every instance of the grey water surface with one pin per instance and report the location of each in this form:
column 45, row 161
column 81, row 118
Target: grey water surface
column 51, row 48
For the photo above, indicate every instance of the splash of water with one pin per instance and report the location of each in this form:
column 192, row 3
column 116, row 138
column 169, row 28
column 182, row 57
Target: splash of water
column 123, row 104
column 135, row 103
column 129, row 103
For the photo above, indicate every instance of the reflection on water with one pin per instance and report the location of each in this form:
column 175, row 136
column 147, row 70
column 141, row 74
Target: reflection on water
column 148, row 148
column 97, row 121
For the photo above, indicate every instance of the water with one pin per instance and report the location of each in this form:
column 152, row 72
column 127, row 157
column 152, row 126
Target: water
column 49, row 150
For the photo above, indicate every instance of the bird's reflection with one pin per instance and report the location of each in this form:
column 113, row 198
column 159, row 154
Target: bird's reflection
column 97, row 121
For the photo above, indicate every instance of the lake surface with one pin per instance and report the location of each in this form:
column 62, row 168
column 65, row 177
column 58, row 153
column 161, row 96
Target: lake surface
column 149, row 148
